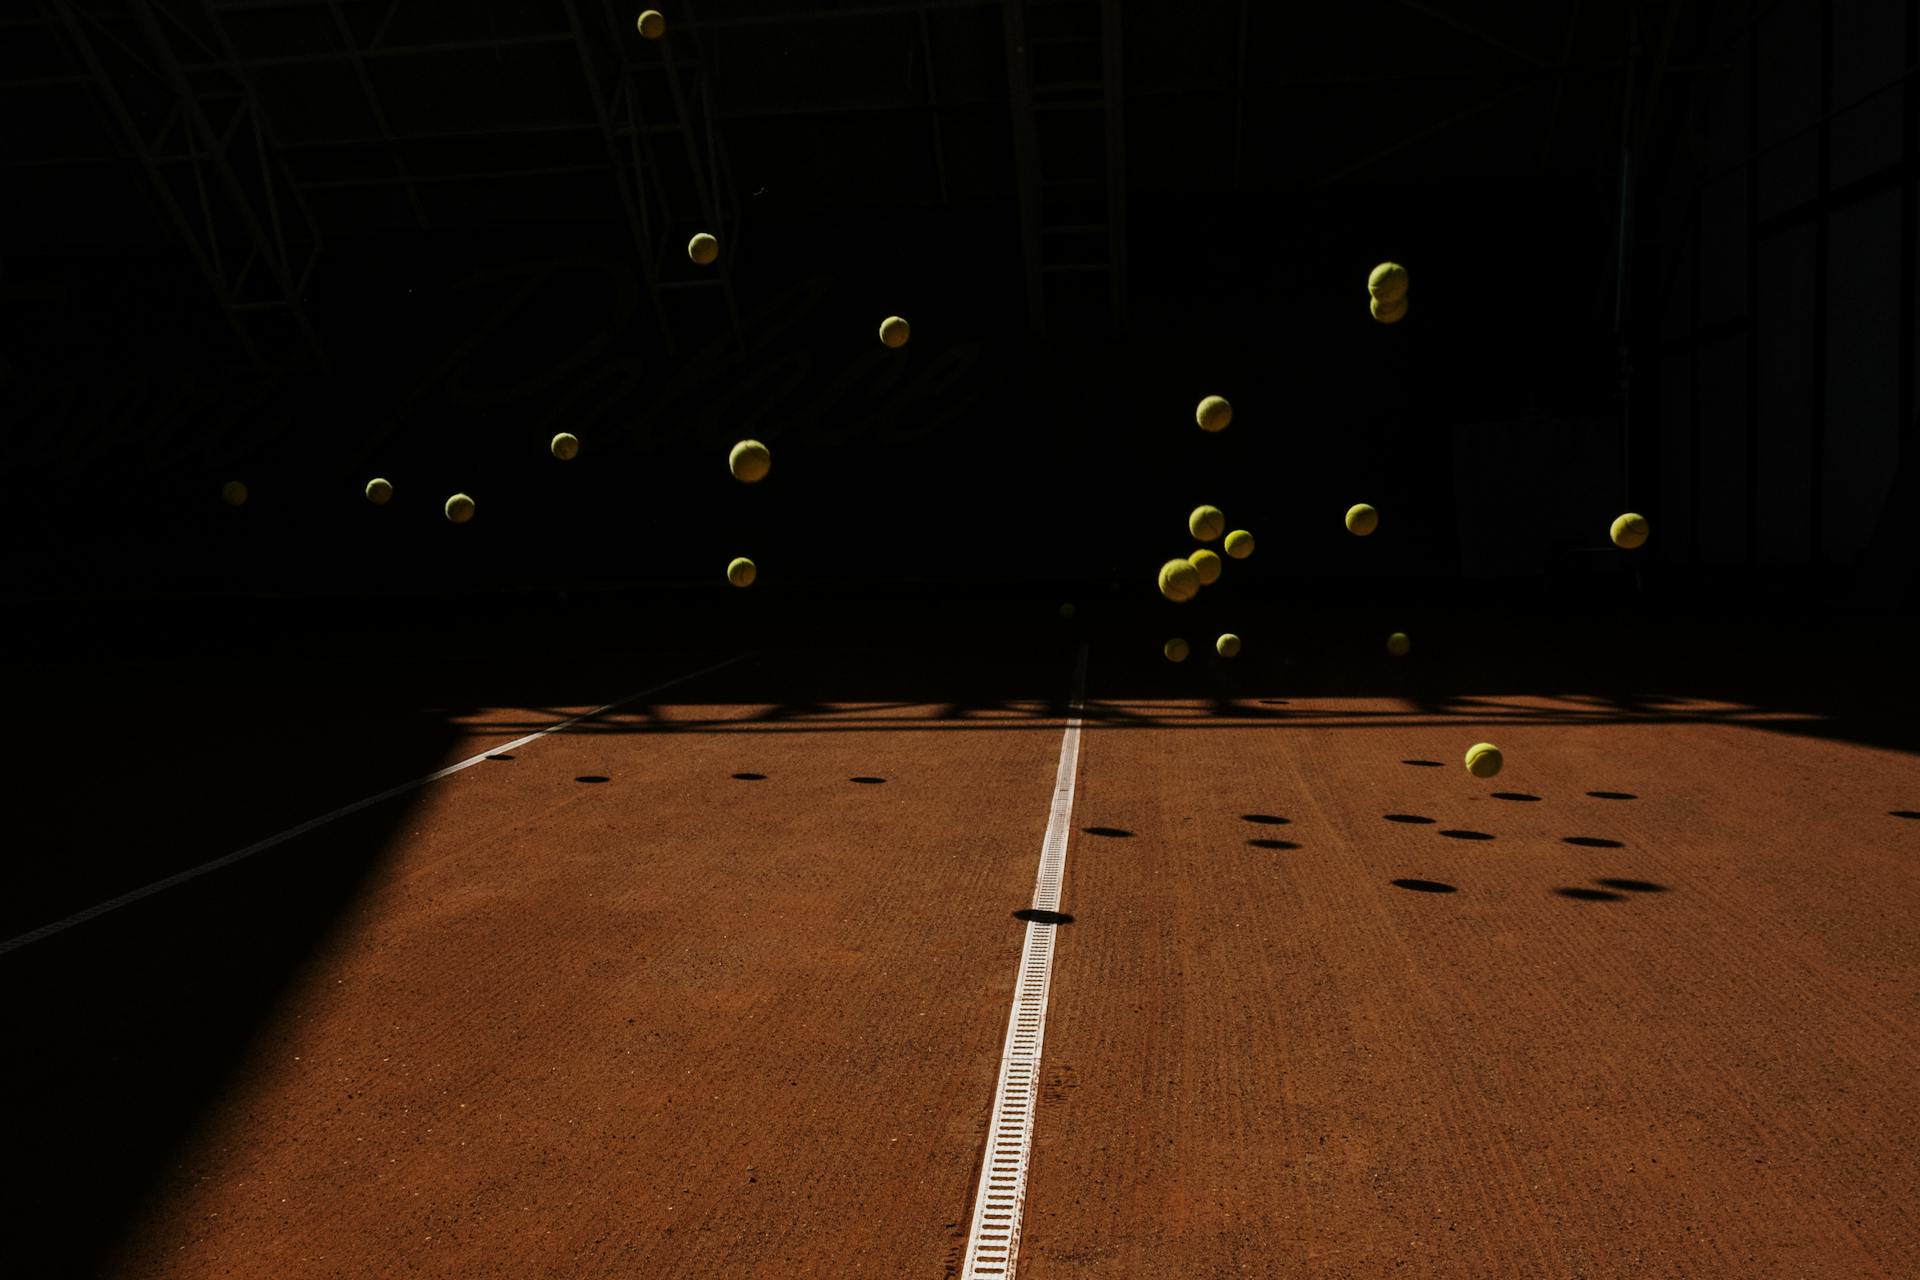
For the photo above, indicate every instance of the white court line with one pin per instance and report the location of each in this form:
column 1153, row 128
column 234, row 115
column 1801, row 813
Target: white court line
column 993, row 1242
column 194, row 873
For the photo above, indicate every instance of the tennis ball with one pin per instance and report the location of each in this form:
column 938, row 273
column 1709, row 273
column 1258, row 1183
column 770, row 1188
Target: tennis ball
column 1389, row 312
column 459, row 508
column 1629, row 531
column 1175, row 649
column 1388, row 282
column 1239, row 544
column 1206, row 564
column 379, row 492
column 1362, row 520
column 1213, row 414
column 652, row 24
column 564, row 446
column 894, row 331
column 703, row 248
column 741, row 572
column 1206, row 523
column 1179, row 580
column 1227, row 645
column 1066, row 610
column 1398, row 644
column 749, row 461
column 1484, row 760
column 233, row 493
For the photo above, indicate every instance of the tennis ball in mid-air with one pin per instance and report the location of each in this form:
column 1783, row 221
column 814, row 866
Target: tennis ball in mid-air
column 1227, row 645
column 894, row 331
column 1387, row 282
column 1179, row 580
column 1629, row 531
column 1206, row 523
column 741, row 572
column 379, row 491
column 1213, row 414
column 1484, row 760
column 703, row 248
column 1206, row 564
column 1175, row 649
column 1066, row 610
column 1398, row 644
column 233, row 493
column 749, row 461
column 459, row 508
column 565, row 445
column 1389, row 312
column 1362, row 519
column 1239, row 544
column 652, row 24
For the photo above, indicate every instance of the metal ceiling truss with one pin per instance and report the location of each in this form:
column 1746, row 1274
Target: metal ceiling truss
column 661, row 91
column 245, row 223
column 1064, row 74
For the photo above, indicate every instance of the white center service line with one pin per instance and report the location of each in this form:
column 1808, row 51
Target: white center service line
column 194, row 873
column 993, row 1242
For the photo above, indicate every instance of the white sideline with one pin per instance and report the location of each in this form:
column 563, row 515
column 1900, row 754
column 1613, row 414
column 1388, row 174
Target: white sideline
column 993, row 1241
column 194, row 873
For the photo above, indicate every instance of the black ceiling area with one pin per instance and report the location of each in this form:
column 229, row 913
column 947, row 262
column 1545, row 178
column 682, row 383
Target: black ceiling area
column 252, row 135
column 321, row 239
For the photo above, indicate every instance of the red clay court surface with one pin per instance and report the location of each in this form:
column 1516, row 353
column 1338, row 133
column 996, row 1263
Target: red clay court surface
column 1642, row 1005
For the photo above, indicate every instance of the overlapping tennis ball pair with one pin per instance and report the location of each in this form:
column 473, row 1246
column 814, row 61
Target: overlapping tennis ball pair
column 1387, row 293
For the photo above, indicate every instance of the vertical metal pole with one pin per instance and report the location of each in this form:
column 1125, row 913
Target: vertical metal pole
column 1240, row 96
column 1112, row 37
column 635, row 225
column 1696, row 449
column 933, row 106
column 1909, row 248
column 1822, row 248
column 1026, row 158
column 1750, row 144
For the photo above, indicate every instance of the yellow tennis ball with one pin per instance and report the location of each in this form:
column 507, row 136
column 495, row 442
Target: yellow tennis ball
column 564, row 446
column 652, row 24
column 749, row 461
column 1398, row 644
column 1213, row 414
column 1629, row 531
column 1362, row 520
column 1387, row 282
column 1389, row 312
column 459, row 508
column 1175, row 649
column 1206, row 523
column 379, row 491
column 1206, row 564
column 1179, row 581
column 1239, row 544
column 233, row 493
column 741, row 572
column 703, row 248
column 1227, row 645
column 1484, row 760
column 894, row 331
column 1066, row 610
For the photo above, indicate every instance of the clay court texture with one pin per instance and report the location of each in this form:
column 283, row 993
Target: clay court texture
column 717, row 982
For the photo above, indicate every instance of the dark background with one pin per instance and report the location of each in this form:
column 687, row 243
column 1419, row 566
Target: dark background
column 303, row 244
column 1663, row 259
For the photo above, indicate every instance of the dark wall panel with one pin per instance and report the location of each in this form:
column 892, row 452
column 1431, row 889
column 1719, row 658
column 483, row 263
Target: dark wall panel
column 1723, row 424
column 1863, row 406
column 1785, row 406
column 1672, row 505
